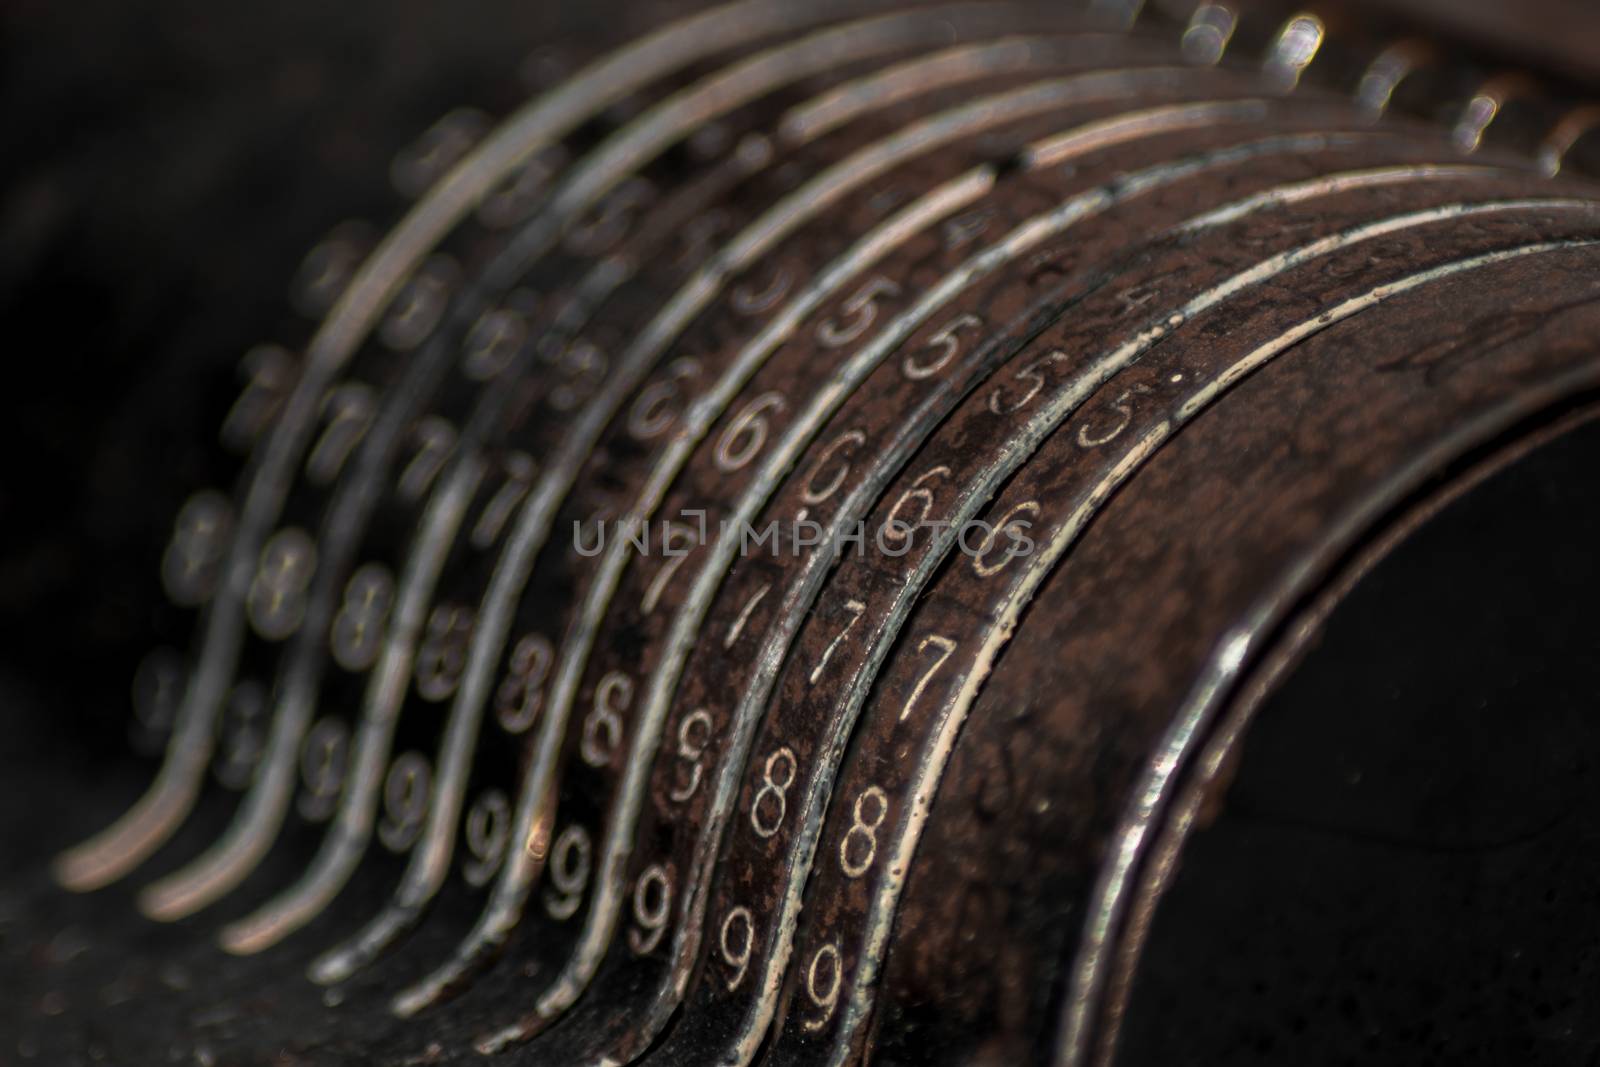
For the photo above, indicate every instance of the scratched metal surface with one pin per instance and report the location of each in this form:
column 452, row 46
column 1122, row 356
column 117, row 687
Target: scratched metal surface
column 1131, row 341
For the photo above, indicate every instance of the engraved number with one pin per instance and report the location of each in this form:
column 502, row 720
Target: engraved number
column 611, row 220
column 569, row 873
column 348, row 410
column 521, row 694
column 327, row 269
column 270, row 372
column 190, row 565
column 656, row 408
column 843, row 445
column 738, row 919
column 652, row 897
column 773, row 796
column 435, row 438
column 322, row 768
column 157, row 688
column 824, row 965
column 855, row 608
column 419, row 305
column 242, row 736
column 859, row 313
column 443, row 652
column 602, row 728
column 520, row 192
column 405, row 801
column 1123, row 406
column 582, row 365
column 900, row 530
column 860, row 845
column 494, row 342
column 1012, row 524
column 441, row 145
column 941, row 348
column 488, row 830
column 693, row 735
column 747, row 433
column 519, row 470
column 358, row 627
column 945, row 647
column 276, row 600
column 748, row 300
column 675, row 534
column 1033, row 375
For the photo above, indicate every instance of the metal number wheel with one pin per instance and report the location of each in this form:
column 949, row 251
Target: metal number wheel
column 971, row 532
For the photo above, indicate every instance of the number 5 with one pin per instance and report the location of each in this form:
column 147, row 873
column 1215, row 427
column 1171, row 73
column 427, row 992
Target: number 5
column 861, row 309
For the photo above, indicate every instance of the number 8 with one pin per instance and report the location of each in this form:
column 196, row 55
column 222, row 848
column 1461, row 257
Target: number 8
column 777, row 790
column 861, row 829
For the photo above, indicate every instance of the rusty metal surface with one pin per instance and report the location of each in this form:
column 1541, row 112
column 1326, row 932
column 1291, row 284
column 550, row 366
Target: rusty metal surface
column 760, row 562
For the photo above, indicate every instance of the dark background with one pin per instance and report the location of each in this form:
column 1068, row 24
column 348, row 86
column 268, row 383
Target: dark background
column 164, row 166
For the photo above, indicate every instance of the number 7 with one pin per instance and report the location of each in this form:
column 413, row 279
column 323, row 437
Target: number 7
column 855, row 608
column 945, row 647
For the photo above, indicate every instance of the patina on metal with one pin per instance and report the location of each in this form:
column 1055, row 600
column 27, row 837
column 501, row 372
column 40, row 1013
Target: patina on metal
column 776, row 552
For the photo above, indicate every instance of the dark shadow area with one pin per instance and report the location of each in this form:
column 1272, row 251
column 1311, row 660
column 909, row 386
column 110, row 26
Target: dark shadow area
column 1407, row 865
